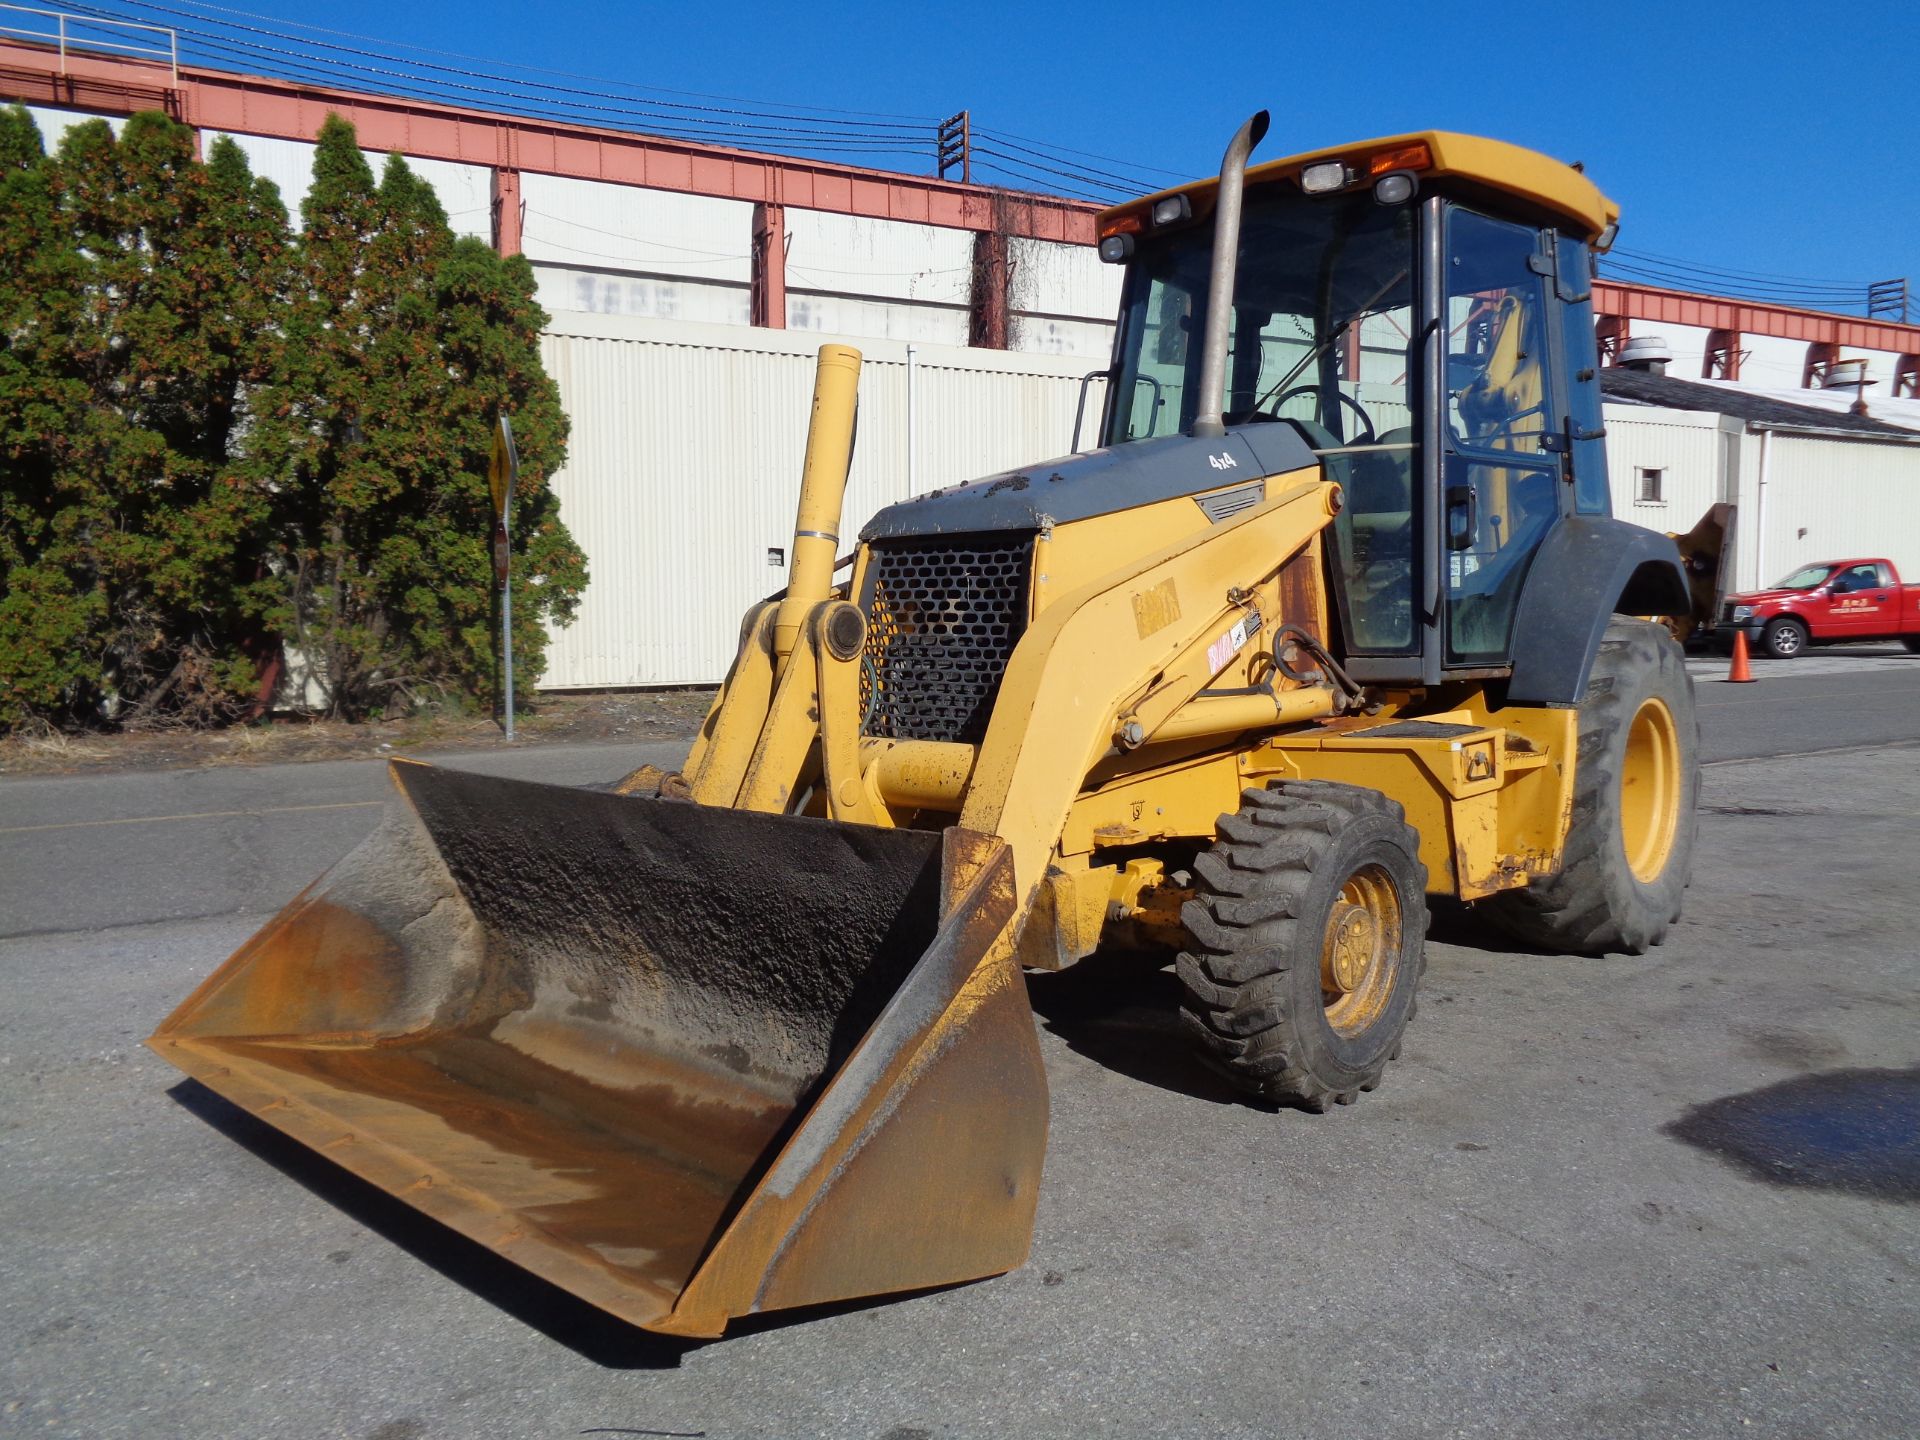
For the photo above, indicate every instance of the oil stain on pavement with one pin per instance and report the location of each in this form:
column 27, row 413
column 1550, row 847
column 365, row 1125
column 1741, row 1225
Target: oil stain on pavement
column 1854, row 1131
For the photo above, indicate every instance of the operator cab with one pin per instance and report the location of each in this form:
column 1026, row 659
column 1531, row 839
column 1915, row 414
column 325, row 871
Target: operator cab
column 1418, row 310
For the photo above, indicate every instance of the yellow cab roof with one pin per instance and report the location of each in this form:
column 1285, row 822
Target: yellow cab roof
column 1566, row 196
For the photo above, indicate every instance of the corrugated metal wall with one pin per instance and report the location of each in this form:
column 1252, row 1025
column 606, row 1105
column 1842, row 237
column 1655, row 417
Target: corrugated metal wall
column 1836, row 499
column 684, row 466
column 1688, row 451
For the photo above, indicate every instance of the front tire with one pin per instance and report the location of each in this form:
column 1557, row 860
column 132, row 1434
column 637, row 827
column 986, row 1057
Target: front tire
column 1309, row 934
column 1628, row 856
column 1784, row 638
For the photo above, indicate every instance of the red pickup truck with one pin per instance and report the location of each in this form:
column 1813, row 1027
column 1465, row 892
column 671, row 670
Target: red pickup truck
column 1827, row 603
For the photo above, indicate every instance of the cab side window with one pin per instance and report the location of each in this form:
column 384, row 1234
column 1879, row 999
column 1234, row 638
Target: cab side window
column 1502, row 481
column 1497, row 392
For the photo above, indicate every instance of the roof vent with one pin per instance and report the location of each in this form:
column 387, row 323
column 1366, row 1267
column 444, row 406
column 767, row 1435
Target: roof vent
column 1649, row 354
column 1850, row 374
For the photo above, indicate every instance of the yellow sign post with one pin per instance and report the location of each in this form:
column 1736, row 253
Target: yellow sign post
column 503, row 470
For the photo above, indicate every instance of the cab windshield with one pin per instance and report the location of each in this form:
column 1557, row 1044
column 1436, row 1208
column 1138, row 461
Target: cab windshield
column 1805, row 578
column 1322, row 320
column 1323, row 336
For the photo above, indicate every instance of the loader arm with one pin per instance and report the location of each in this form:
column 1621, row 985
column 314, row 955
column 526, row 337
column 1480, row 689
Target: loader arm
column 1090, row 653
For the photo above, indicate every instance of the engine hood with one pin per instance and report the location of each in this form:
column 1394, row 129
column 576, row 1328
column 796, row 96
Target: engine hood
column 1763, row 597
column 1079, row 487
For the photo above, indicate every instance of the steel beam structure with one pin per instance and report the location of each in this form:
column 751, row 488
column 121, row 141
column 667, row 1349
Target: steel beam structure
column 1751, row 317
column 290, row 110
column 507, row 213
column 769, row 292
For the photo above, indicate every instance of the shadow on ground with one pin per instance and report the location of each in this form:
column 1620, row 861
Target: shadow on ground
column 1123, row 1011
column 585, row 1329
column 1854, row 1131
column 582, row 1328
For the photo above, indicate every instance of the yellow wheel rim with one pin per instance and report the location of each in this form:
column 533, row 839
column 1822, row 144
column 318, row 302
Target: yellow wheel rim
column 1650, row 791
column 1360, row 952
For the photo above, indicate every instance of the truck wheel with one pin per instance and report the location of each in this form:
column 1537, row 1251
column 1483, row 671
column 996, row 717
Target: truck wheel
column 1629, row 851
column 1308, row 937
column 1912, row 642
column 1784, row 638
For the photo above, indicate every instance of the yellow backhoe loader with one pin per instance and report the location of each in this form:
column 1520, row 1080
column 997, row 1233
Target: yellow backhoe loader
column 1333, row 619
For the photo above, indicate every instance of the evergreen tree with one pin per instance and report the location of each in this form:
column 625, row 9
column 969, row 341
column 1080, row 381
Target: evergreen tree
column 201, row 283
column 402, row 347
column 211, row 438
column 49, row 611
column 140, row 584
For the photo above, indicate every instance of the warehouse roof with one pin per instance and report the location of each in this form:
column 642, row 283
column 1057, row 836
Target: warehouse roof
column 1638, row 387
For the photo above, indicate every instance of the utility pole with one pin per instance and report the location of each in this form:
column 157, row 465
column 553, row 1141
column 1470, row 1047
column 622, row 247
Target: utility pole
column 1890, row 300
column 503, row 469
column 954, row 142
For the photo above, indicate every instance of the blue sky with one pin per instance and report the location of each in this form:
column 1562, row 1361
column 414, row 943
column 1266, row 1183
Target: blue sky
column 1765, row 136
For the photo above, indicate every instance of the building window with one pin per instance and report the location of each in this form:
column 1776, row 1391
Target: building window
column 1648, row 491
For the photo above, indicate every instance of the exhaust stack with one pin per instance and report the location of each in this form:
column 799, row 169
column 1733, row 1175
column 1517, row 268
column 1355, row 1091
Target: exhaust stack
column 1211, row 420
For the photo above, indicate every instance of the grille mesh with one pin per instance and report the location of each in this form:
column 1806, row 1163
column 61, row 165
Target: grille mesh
column 942, row 622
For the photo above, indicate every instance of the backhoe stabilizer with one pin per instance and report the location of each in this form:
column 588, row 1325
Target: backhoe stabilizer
column 686, row 1063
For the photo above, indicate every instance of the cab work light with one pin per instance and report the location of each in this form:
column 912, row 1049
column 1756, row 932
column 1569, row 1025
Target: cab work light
column 1326, row 175
column 1172, row 210
column 1394, row 188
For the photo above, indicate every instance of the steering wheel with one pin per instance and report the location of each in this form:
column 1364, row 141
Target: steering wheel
column 1352, row 404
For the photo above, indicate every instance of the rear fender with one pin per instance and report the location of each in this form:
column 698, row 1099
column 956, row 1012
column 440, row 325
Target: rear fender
column 1589, row 568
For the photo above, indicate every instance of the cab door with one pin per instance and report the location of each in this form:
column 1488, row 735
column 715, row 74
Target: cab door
column 1504, row 434
column 1861, row 603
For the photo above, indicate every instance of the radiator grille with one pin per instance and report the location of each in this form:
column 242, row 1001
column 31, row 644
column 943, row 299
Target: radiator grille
column 942, row 620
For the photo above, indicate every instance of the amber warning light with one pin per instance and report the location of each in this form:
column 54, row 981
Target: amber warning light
column 1401, row 157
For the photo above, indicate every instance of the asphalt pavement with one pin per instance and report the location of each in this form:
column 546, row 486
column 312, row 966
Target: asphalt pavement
column 1856, row 695
column 86, row 852
column 1637, row 1196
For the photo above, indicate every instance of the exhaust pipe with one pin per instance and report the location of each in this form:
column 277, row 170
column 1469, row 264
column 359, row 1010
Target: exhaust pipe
column 1211, row 421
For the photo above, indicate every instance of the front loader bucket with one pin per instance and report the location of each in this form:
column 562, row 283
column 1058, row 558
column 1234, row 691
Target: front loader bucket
column 686, row 1063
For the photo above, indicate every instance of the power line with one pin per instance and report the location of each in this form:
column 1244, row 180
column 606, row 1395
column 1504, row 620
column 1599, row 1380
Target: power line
column 1087, row 154
column 1022, row 177
column 541, row 70
column 1697, row 274
column 750, row 128
column 1743, row 274
column 770, row 124
column 1131, row 182
column 1093, row 184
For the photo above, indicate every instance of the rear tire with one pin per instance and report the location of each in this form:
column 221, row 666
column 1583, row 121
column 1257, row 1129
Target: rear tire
column 1308, row 938
column 1912, row 642
column 1629, row 852
column 1784, row 638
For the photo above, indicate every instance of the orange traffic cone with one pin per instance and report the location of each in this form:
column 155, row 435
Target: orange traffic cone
column 1738, row 673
